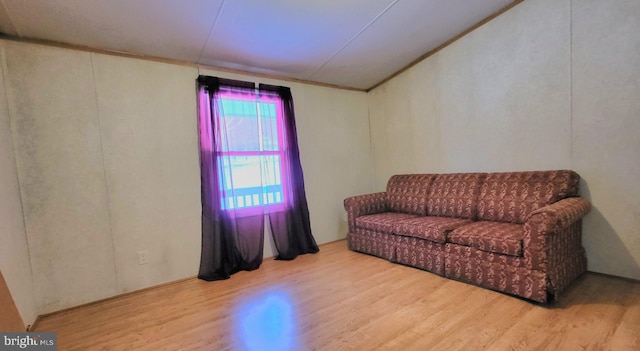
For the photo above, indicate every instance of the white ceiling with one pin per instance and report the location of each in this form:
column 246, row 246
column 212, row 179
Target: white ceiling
column 350, row 43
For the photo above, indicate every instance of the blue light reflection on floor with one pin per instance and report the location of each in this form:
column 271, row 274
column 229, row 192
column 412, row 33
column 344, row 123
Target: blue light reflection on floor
column 266, row 322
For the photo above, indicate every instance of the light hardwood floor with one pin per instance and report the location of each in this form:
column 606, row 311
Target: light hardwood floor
column 339, row 300
column 10, row 320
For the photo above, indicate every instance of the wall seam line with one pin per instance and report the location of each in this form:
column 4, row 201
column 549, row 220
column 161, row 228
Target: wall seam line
column 371, row 150
column 571, row 83
column 104, row 174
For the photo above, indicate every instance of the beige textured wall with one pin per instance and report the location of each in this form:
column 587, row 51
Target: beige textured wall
column 53, row 109
column 150, row 148
column 606, row 129
column 497, row 99
column 108, row 162
column 14, row 253
column 549, row 84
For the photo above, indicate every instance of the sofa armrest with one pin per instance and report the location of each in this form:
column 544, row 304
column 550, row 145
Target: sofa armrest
column 544, row 228
column 362, row 205
column 562, row 213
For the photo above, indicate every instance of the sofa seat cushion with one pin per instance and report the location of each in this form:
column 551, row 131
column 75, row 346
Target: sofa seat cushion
column 497, row 237
column 381, row 222
column 430, row 227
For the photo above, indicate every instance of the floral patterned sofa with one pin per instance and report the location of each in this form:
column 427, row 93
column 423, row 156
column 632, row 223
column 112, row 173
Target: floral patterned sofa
column 515, row 232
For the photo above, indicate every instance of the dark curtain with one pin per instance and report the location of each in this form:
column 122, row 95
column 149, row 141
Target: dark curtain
column 231, row 241
column 291, row 229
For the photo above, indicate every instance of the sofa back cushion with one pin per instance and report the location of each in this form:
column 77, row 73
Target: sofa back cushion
column 455, row 195
column 407, row 193
column 511, row 196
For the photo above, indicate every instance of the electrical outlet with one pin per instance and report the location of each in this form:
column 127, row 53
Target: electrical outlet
column 143, row 257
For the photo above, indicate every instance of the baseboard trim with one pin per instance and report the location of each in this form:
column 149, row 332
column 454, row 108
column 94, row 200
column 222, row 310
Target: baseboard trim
column 614, row 276
column 332, row 242
column 32, row 327
column 69, row 309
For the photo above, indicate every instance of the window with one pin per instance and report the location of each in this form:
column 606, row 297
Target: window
column 251, row 149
